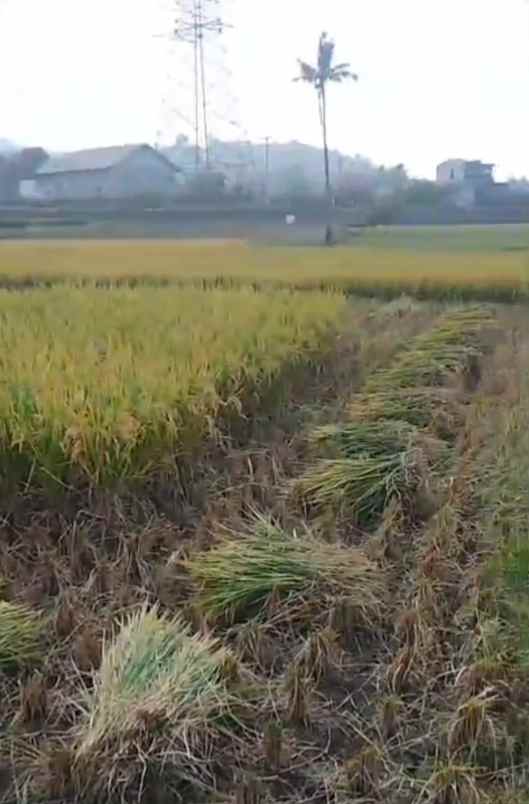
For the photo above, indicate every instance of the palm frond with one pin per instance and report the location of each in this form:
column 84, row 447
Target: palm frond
column 341, row 73
column 324, row 71
column 307, row 73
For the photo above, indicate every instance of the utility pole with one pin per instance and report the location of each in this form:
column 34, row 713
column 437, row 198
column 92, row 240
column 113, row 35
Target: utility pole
column 196, row 92
column 194, row 21
column 201, row 28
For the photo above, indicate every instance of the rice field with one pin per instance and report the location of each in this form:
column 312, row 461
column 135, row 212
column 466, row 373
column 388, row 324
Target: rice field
column 104, row 385
column 261, row 541
column 445, row 273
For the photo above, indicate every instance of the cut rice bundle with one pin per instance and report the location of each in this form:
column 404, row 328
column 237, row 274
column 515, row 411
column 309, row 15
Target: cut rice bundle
column 371, row 437
column 156, row 701
column 382, row 438
column 427, row 367
column 240, row 576
column 454, row 346
column 419, row 407
column 362, row 486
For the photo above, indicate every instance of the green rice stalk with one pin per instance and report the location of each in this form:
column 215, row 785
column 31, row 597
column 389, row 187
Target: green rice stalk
column 21, row 630
column 379, row 439
column 423, row 407
column 374, row 438
column 427, row 367
column 238, row 578
column 364, row 485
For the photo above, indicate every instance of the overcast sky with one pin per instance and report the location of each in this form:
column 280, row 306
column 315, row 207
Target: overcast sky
column 438, row 78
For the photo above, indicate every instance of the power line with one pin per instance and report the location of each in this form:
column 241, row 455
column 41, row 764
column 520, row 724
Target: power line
column 194, row 22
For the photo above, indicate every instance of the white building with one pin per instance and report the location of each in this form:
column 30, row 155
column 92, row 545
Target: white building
column 123, row 171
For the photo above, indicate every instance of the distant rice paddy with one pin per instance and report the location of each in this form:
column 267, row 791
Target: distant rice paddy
column 467, row 273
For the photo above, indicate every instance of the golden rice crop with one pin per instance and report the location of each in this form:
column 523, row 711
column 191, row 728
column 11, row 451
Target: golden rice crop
column 105, row 384
column 238, row 576
column 387, row 272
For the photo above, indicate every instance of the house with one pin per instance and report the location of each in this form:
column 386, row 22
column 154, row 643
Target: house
column 459, row 171
column 118, row 172
column 467, row 179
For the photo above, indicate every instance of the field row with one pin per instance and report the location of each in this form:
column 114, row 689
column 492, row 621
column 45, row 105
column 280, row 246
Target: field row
column 372, row 461
column 387, row 272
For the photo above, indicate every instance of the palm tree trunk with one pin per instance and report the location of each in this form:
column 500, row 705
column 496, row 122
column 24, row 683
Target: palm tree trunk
column 329, row 237
column 323, row 98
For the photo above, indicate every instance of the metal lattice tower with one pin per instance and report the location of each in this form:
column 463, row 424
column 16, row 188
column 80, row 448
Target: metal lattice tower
column 195, row 20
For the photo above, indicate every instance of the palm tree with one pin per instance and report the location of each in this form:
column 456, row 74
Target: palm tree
column 319, row 76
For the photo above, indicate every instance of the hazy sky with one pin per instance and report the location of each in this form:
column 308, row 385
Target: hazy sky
column 438, row 78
